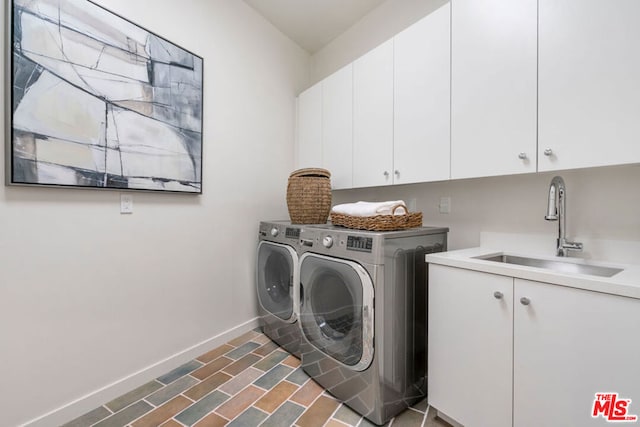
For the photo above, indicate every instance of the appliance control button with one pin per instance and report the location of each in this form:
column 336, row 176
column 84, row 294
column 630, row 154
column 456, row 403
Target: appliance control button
column 274, row 231
column 327, row 241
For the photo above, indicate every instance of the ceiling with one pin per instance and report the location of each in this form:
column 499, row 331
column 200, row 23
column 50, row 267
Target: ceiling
column 313, row 23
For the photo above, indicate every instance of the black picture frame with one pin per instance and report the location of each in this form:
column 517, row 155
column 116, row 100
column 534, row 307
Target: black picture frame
column 97, row 101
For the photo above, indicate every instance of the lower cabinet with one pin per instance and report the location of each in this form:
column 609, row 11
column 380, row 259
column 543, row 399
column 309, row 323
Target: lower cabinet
column 470, row 338
column 505, row 351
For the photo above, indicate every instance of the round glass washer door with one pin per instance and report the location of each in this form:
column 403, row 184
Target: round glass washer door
column 336, row 313
column 276, row 274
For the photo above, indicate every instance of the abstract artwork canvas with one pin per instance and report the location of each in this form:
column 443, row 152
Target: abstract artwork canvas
column 99, row 102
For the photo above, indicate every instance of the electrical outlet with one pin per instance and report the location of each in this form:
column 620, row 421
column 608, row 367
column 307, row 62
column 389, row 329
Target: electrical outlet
column 126, row 203
column 445, row 205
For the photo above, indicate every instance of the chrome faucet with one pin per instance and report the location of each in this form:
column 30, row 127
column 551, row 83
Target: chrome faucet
column 556, row 211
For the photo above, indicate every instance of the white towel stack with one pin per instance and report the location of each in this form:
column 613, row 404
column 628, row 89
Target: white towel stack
column 370, row 208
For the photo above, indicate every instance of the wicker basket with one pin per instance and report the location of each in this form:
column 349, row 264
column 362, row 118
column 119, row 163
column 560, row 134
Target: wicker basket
column 379, row 222
column 309, row 196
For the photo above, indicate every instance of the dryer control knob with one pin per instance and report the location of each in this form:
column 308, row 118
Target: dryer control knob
column 327, row 241
column 274, row 231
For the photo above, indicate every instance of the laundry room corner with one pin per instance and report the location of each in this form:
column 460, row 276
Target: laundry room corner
column 94, row 302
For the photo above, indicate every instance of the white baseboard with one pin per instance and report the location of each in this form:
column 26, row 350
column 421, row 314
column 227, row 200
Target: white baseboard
column 109, row 392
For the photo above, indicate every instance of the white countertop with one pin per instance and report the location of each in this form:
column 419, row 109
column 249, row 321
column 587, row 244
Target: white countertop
column 626, row 283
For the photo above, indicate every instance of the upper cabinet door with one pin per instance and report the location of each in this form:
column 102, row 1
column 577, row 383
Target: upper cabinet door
column 589, row 83
column 422, row 99
column 309, row 144
column 373, row 117
column 337, row 127
column 493, row 87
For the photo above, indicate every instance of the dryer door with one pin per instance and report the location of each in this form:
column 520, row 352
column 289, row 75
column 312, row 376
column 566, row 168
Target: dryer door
column 276, row 274
column 336, row 314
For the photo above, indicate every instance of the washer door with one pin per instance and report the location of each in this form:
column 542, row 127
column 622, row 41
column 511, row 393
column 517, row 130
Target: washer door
column 276, row 274
column 336, row 314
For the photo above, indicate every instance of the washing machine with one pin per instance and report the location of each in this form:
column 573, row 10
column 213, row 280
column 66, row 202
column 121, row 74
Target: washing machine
column 363, row 314
column 277, row 276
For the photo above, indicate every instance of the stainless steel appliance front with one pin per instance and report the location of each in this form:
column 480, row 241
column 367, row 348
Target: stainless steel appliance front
column 363, row 315
column 277, row 267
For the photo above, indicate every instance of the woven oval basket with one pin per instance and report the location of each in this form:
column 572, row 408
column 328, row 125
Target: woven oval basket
column 379, row 222
column 309, row 196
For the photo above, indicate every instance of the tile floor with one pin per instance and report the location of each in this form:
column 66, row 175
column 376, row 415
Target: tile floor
column 249, row 381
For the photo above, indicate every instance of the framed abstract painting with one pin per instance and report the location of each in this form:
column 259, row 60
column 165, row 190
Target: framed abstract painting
column 99, row 102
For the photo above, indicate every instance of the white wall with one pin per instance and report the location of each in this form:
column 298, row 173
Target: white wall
column 88, row 296
column 603, row 203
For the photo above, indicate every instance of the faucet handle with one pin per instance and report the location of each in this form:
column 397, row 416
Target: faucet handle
column 573, row 246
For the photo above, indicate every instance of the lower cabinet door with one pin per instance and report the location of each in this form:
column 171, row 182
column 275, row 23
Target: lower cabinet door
column 470, row 346
column 570, row 345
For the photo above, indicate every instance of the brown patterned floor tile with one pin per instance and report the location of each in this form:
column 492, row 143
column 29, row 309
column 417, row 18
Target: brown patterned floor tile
column 133, row 396
column 125, row 416
column 261, row 339
column 307, row 393
column 205, row 387
column 246, row 337
column 409, row 418
column 171, row 423
column 433, row 420
column 266, row 349
column 318, row 413
column 421, row 405
column 215, row 353
column 240, row 402
column 241, row 364
column 211, row 368
column 292, row 361
column 347, row 415
column 274, row 398
column 163, row 413
column 240, row 381
column 212, row 420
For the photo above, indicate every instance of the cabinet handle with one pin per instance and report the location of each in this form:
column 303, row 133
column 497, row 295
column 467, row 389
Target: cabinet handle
column 498, row 295
column 386, row 174
column 548, row 152
column 525, row 301
column 522, row 156
column 396, row 172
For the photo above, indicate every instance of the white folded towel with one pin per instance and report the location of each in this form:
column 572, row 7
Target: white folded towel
column 370, row 208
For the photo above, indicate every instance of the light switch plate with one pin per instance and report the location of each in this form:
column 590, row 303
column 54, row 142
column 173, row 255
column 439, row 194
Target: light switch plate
column 126, row 203
column 445, row 205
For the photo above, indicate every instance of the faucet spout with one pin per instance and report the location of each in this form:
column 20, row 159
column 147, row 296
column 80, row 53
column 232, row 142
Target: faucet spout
column 556, row 211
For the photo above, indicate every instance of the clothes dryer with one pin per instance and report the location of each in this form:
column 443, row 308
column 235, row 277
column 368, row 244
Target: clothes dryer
column 277, row 263
column 363, row 314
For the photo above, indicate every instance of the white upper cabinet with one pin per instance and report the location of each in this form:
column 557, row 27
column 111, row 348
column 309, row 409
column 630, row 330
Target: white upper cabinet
column 422, row 100
column 493, row 87
column 589, row 83
column 373, row 117
column 309, row 138
column 337, row 127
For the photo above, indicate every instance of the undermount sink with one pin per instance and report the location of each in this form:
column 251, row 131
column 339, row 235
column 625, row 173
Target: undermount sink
column 558, row 266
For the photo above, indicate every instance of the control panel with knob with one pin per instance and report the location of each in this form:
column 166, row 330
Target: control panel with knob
column 274, row 231
column 327, row 241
